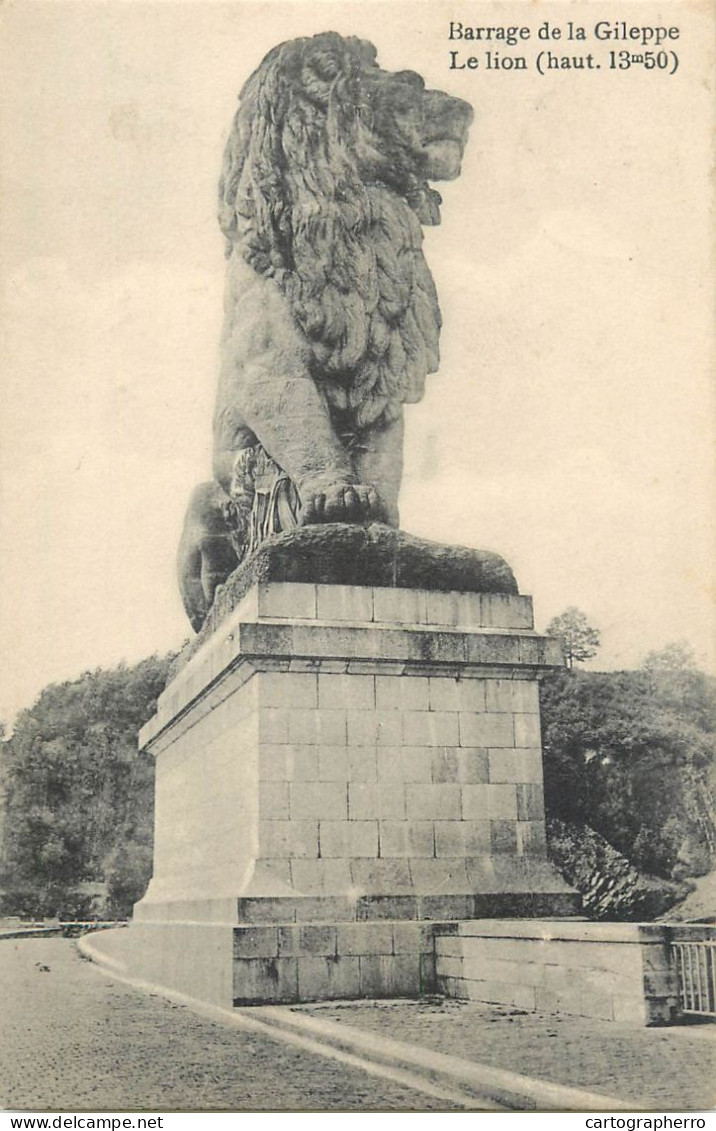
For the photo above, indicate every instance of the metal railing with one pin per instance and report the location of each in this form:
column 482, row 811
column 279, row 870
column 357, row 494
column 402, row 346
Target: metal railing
column 695, row 961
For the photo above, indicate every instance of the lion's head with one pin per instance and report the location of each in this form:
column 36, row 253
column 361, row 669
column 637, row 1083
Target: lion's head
column 324, row 187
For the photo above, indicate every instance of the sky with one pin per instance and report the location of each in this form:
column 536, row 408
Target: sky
column 570, row 425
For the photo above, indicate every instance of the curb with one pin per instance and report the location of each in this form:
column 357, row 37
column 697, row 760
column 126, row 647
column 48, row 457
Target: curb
column 466, row 1084
column 509, row 1089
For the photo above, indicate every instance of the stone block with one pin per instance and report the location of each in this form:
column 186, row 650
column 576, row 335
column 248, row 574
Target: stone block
column 346, row 839
column 255, row 942
column 288, row 838
column 503, row 837
column 372, row 800
column 273, row 801
column 410, row 938
column 403, row 606
column 527, row 730
column 414, row 763
column 661, row 984
column 344, row 603
column 296, row 940
column 495, row 969
column 318, row 939
column 273, row 725
column 450, row 987
column 324, row 908
column 266, row 910
column 461, row 764
column 492, row 649
column 261, row 981
column 380, row 877
column 457, row 694
column 320, row 876
column 530, row 765
column 428, row 974
column 402, row 692
column 531, row 838
column 437, row 906
column 485, row 730
column 448, row 946
column 462, row 838
column 440, row 876
column 540, row 651
column 504, row 765
column 374, row 728
column 363, row 763
column 389, row 760
column 443, row 608
column 289, row 940
column 471, row 610
column 386, row 907
column 288, row 763
column 430, row 728
column 450, row 965
column 286, row 599
column 489, row 802
column 353, row 692
column 365, row 938
column 322, row 727
column 530, row 802
column 435, row 647
column 406, row 838
column 506, row 610
column 333, row 763
column 513, row 695
column 432, row 802
column 347, row 763
column 325, row 800
column 287, row 689
column 328, row 978
column 390, row 975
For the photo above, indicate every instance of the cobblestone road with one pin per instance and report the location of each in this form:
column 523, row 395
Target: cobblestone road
column 72, row 1039
column 672, row 1069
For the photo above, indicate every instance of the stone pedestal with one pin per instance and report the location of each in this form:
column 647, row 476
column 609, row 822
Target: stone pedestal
column 341, row 771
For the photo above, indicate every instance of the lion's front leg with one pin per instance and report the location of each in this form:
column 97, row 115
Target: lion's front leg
column 291, row 419
column 343, row 502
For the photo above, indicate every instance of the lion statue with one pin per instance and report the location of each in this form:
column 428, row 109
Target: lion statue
column 331, row 316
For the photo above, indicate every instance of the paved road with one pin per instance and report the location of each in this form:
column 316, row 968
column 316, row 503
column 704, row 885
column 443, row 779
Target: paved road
column 669, row 1068
column 72, row 1039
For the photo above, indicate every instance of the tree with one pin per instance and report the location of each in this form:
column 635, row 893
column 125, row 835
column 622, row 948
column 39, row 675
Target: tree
column 624, row 760
column 78, row 795
column 579, row 640
column 675, row 657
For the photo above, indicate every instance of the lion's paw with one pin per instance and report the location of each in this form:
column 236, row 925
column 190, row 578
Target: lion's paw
column 343, row 502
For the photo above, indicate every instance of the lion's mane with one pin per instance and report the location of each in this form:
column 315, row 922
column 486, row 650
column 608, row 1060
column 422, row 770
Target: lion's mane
column 321, row 190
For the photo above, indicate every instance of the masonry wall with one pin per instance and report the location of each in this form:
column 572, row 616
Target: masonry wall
column 609, row 971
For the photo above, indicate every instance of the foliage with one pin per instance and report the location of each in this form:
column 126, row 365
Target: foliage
column 579, row 640
column 610, row 886
column 78, row 795
column 675, row 657
column 629, row 757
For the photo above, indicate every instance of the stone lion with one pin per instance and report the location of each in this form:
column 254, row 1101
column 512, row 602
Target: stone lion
column 331, row 316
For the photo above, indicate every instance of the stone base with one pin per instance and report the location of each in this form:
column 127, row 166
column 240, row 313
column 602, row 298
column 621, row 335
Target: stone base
column 306, row 950
column 346, row 554
column 610, row 971
column 344, row 767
